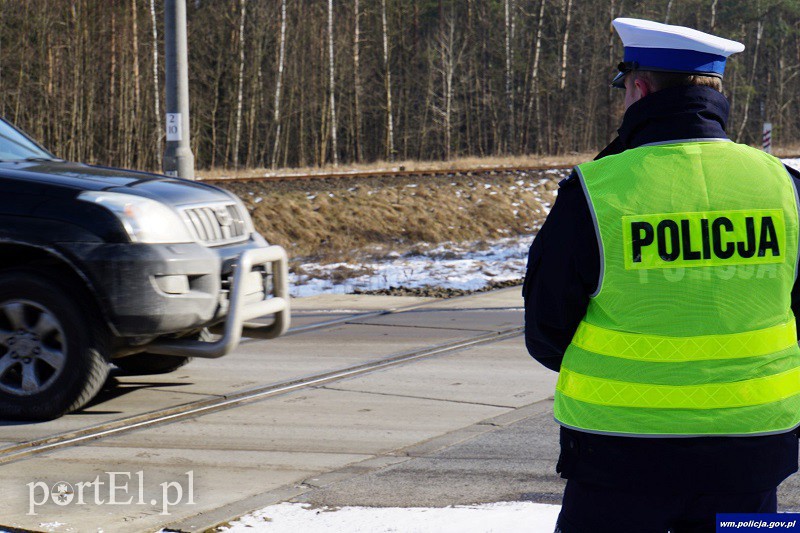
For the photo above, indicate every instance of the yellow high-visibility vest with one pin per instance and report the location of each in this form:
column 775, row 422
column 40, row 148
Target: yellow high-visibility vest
column 690, row 331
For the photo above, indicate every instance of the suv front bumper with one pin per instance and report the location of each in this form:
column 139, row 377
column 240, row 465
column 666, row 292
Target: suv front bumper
column 240, row 313
column 152, row 290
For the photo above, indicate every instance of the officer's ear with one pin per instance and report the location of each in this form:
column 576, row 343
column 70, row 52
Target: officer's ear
column 643, row 86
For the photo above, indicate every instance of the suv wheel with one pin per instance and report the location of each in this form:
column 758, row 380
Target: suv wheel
column 52, row 357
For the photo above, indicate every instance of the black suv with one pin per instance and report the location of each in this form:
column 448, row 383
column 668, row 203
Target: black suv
column 100, row 265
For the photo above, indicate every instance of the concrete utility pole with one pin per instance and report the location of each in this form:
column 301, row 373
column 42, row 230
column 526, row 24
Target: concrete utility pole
column 178, row 157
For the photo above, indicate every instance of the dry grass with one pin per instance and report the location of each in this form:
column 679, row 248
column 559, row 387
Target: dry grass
column 790, row 150
column 344, row 219
column 530, row 160
column 350, row 219
column 566, row 161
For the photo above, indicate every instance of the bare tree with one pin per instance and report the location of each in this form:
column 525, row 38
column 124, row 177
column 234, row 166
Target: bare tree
column 610, row 90
column 238, row 135
column 137, row 91
column 112, row 86
column 534, row 102
column 334, row 124
column 713, row 14
column 510, row 134
column 278, row 86
column 564, row 45
column 388, row 84
column 156, row 88
column 359, row 150
column 749, row 95
column 443, row 101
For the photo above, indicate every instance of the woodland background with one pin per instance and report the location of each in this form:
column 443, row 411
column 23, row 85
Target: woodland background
column 278, row 83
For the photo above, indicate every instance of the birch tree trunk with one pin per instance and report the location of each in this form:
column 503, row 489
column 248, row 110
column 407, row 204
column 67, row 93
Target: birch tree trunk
column 534, row 102
column 713, row 14
column 564, row 46
column 112, row 86
column 256, row 85
column 745, row 115
column 238, row 133
column 509, row 75
column 334, row 125
column 137, row 90
column 278, row 86
column 440, row 109
column 76, row 83
column 450, row 66
column 156, row 88
column 388, row 84
column 359, row 151
column 610, row 90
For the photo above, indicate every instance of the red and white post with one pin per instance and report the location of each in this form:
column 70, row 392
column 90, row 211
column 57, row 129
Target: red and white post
column 767, row 137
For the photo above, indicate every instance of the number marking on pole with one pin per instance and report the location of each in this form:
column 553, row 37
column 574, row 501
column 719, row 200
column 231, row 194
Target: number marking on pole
column 174, row 132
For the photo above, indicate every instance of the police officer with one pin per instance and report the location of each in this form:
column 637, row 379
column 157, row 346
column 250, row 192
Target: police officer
column 661, row 287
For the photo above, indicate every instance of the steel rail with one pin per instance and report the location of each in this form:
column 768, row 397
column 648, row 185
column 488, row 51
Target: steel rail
column 178, row 413
column 400, row 173
column 333, row 322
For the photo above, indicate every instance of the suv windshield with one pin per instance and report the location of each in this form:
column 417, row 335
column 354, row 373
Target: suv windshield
column 15, row 146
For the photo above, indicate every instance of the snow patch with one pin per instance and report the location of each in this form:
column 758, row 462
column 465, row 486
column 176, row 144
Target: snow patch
column 794, row 163
column 450, row 265
column 51, row 526
column 492, row 517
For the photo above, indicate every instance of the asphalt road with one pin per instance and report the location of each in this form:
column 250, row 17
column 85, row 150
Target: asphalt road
column 426, row 424
column 462, row 427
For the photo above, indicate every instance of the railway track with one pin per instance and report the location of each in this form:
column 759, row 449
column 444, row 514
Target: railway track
column 31, row 448
column 399, row 173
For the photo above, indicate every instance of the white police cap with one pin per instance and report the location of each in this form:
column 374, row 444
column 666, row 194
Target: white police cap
column 662, row 47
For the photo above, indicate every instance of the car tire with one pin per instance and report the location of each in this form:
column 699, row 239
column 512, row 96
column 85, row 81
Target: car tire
column 52, row 348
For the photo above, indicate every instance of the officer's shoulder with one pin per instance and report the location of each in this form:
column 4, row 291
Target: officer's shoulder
column 793, row 172
column 571, row 198
column 570, row 181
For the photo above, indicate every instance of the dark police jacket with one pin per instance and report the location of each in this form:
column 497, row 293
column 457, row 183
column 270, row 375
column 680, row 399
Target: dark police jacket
column 563, row 270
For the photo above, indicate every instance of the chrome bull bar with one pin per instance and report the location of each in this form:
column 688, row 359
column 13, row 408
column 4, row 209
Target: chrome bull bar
column 238, row 322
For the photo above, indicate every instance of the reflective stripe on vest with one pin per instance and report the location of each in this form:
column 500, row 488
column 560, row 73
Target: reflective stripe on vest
column 674, row 349
column 690, row 332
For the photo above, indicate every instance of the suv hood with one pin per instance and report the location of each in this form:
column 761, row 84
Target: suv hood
column 81, row 177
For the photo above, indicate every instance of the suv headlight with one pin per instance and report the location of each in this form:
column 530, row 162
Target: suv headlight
column 145, row 220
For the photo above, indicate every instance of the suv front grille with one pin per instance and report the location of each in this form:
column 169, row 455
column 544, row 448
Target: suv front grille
column 216, row 224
